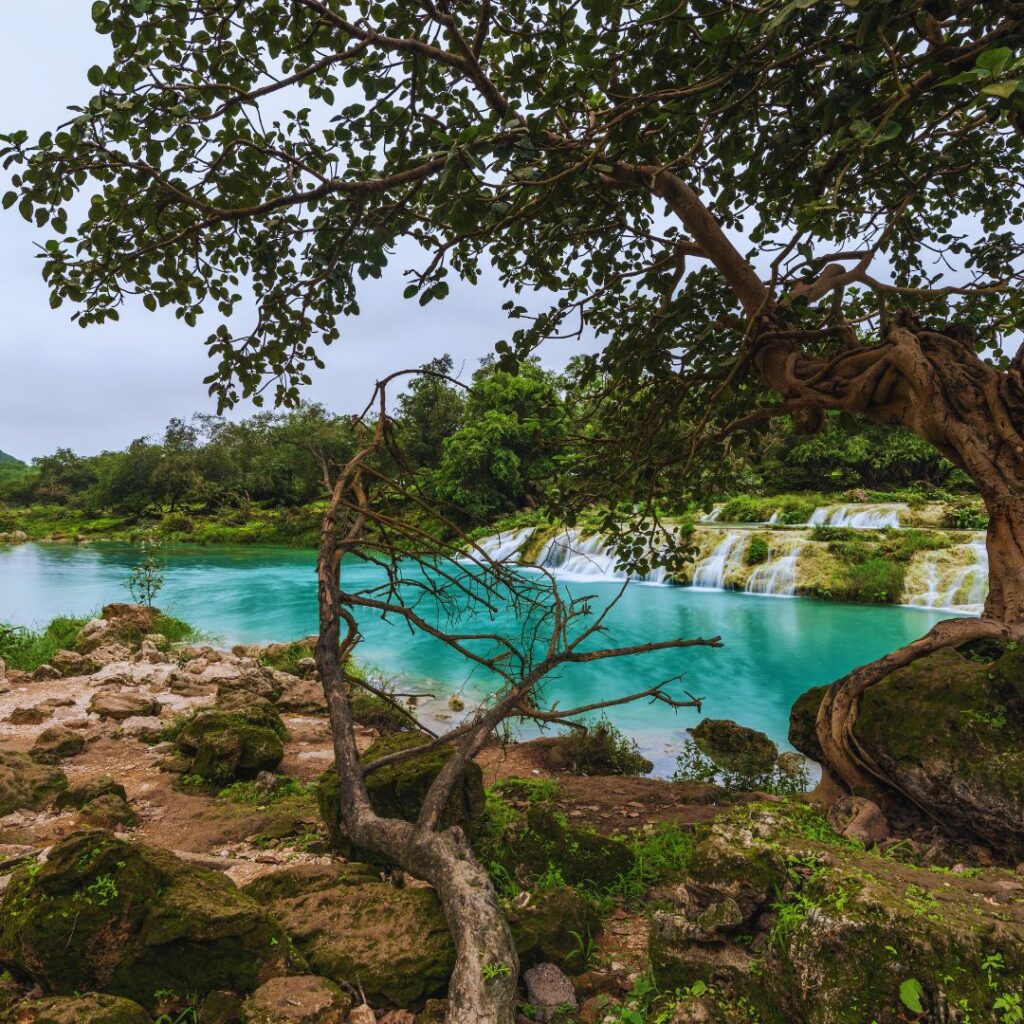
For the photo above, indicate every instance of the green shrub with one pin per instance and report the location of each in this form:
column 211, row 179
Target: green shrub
column 876, row 580
column 26, row 650
column 966, row 517
column 601, row 749
column 757, row 551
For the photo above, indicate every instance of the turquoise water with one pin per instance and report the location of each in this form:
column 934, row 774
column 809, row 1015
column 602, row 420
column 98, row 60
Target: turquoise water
column 774, row 648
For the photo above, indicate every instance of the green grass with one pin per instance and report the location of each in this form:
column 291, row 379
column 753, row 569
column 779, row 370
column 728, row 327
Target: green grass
column 26, row 649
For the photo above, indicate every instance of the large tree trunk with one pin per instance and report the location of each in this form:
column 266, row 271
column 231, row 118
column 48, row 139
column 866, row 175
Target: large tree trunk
column 935, row 385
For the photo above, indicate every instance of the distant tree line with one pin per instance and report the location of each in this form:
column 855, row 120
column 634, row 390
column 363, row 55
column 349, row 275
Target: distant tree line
column 507, row 442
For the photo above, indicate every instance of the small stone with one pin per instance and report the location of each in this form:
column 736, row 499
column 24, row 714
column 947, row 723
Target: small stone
column 306, row 667
column 596, row 1008
column 398, row 1017
column 548, row 990
column 57, row 743
column 859, row 819
column 29, row 716
column 456, row 703
column 362, row 1015
column 121, row 705
column 45, row 672
column 301, row 999
column 5, row 686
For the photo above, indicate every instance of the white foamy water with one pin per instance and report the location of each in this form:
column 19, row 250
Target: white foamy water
column 952, row 585
column 777, row 576
column 858, row 517
column 710, row 572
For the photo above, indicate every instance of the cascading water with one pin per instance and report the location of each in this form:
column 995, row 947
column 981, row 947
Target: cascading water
column 504, row 547
column 712, row 516
column 777, row 577
column 858, row 517
column 570, row 556
column 711, row 573
column 954, row 579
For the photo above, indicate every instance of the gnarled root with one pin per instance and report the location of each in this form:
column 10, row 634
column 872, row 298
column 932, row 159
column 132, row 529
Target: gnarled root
column 837, row 715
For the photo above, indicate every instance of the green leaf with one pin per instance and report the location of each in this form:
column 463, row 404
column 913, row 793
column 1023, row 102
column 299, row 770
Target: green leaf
column 100, row 10
column 995, row 60
column 143, row 6
column 410, row 291
column 1004, row 90
column 95, row 75
column 10, row 198
column 910, row 995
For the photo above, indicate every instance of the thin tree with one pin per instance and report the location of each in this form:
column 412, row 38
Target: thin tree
column 776, row 209
column 372, row 518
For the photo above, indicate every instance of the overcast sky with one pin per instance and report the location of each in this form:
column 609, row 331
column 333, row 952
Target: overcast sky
column 101, row 387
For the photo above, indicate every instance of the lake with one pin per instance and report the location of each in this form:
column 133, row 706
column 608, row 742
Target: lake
column 775, row 648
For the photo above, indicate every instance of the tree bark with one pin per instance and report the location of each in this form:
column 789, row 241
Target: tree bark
column 935, row 385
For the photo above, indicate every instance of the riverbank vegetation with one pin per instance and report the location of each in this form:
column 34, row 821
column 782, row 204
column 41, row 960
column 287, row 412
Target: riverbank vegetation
column 512, row 442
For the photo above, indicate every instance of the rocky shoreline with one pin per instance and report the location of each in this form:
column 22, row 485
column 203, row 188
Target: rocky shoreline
column 169, row 853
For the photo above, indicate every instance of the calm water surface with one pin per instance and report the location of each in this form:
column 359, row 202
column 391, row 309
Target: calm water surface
column 774, row 648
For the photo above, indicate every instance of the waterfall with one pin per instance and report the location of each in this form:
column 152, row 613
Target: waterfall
column 777, row 577
column 570, row 556
column 712, row 516
column 954, row 579
column 710, row 573
column 503, row 547
column 773, row 519
column 857, row 517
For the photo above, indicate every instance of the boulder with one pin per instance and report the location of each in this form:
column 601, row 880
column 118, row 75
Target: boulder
column 71, row 663
column 859, row 819
column 395, row 942
column 302, row 697
column 228, row 743
column 543, row 929
column 540, row 842
column 124, row 624
column 734, row 747
column 30, row 716
column 91, row 1008
column 56, row 744
column 24, row 783
column 82, row 793
column 548, row 991
column 802, row 718
column 245, row 676
column 46, row 672
column 397, row 791
column 950, row 733
column 121, row 704
column 131, row 920
column 373, row 712
column 305, row 999
column 108, row 811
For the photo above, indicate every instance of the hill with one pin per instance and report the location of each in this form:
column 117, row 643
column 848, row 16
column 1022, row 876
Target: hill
column 6, row 459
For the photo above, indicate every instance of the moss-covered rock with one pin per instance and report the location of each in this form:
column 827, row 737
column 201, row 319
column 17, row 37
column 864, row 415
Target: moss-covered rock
column 236, row 743
column 305, row 999
column 82, row 793
column 541, row 842
column 57, row 743
column 398, row 791
column 373, row 712
column 950, row 732
column 546, row 929
column 26, row 783
column 394, row 942
column 131, row 920
column 802, row 718
column 306, row 878
column 108, row 811
column 91, row 1008
column 734, row 747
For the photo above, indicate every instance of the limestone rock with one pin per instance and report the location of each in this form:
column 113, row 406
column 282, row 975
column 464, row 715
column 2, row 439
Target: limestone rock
column 119, row 705
column 91, row 1008
column 734, row 747
column 227, row 743
column 302, row 999
column 543, row 929
column 46, row 672
column 395, row 941
column 373, row 712
column 363, row 1014
column 302, row 697
column 5, row 685
column 26, row 784
column 397, row 791
column 802, row 717
column 860, row 819
column 71, row 663
column 110, row 811
column 82, row 793
column 548, row 991
column 160, row 923
column 950, row 732
column 306, row 667
column 56, row 744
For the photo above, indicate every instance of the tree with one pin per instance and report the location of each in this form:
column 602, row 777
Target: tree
column 503, row 454
column 776, row 210
column 430, row 410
